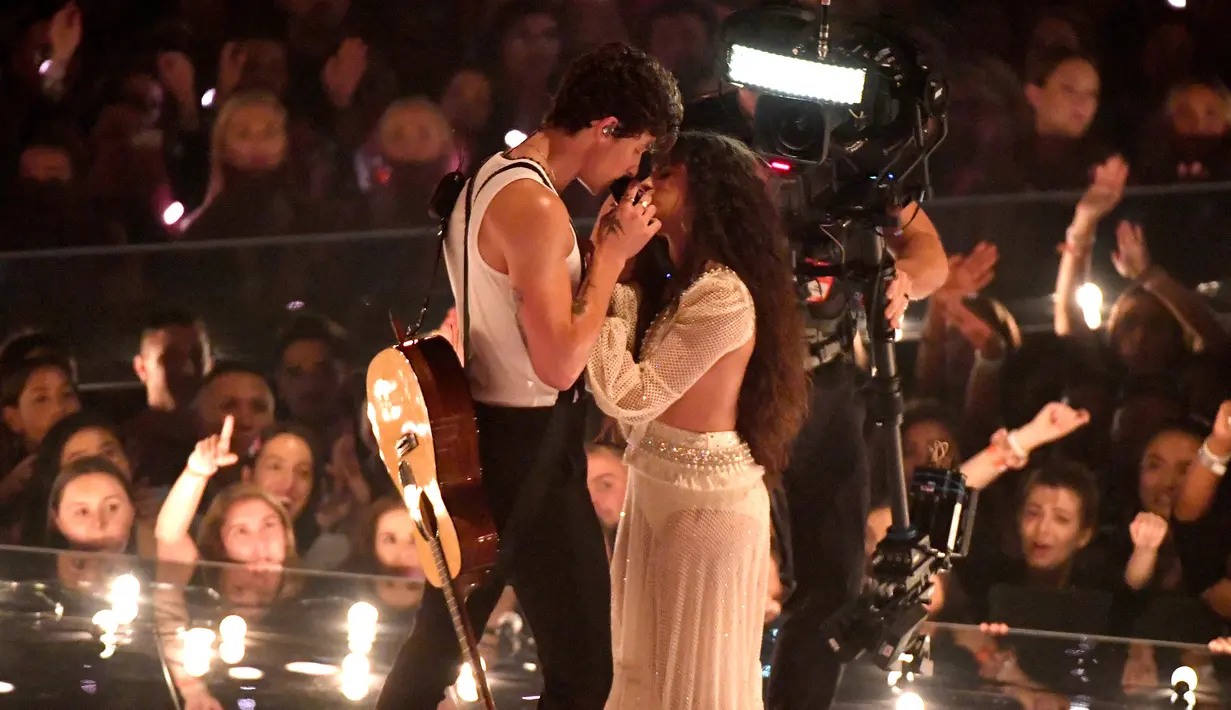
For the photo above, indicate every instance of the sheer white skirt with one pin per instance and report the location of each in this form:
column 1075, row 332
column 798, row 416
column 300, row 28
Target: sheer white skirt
column 689, row 574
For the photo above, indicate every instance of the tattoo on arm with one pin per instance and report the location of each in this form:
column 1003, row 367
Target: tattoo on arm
column 608, row 224
column 517, row 302
column 579, row 301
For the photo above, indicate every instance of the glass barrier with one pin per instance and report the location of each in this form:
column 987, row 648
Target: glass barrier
column 97, row 298
column 97, row 631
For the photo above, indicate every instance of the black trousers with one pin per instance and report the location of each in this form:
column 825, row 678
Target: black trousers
column 827, row 495
column 558, row 568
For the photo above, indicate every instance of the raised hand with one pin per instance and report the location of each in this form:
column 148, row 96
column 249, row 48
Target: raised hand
column 344, row 70
column 1148, row 531
column 230, row 69
column 1055, row 420
column 1131, row 257
column 626, row 227
column 213, row 452
column 64, row 34
column 176, row 73
column 970, row 274
column 981, row 336
column 1106, row 189
column 1219, row 442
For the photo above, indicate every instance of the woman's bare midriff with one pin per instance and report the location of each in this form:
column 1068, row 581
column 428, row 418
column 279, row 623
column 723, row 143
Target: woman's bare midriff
column 710, row 405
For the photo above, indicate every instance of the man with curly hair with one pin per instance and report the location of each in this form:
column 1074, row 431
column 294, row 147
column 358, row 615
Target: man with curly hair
column 529, row 313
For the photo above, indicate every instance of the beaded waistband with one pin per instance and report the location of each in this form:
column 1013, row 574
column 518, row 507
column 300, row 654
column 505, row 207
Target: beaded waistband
column 683, row 457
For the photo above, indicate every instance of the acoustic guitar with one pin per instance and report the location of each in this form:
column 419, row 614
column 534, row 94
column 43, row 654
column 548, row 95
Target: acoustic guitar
column 423, row 418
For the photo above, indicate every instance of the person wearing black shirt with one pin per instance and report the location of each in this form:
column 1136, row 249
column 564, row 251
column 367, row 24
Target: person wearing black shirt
column 820, row 511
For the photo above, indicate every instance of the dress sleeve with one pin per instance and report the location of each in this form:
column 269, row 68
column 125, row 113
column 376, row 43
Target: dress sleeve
column 624, row 303
column 715, row 317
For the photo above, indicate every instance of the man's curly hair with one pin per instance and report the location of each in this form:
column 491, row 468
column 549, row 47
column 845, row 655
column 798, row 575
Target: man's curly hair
column 620, row 81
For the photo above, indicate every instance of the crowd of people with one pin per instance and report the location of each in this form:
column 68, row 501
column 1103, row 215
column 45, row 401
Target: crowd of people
column 209, row 121
column 212, row 120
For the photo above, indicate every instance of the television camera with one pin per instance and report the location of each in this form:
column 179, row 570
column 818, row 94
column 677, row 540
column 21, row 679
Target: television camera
column 847, row 114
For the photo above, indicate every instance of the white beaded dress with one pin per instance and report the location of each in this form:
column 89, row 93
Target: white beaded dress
column 690, row 568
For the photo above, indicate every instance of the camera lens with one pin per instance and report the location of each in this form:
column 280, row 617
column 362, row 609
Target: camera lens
column 801, row 130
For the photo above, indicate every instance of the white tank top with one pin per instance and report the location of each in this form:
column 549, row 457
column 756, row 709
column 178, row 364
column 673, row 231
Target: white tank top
column 498, row 364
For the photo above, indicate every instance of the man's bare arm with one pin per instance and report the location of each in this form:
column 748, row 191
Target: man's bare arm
column 919, row 252
column 534, row 232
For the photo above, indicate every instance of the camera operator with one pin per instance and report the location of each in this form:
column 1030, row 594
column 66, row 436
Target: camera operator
column 826, row 485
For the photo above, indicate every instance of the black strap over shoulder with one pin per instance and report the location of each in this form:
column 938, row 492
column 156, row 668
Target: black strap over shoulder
column 470, row 195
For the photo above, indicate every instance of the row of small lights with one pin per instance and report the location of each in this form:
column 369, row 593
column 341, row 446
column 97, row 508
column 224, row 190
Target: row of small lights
column 198, row 643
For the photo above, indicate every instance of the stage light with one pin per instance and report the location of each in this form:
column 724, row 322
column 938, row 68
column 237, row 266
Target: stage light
column 173, row 213
column 1090, row 301
column 125, row 587
column 356, row 676
column 362, row 615
column 909, row 701
column 1178, row 4
column 514, row 138
column 232, row 628
column 6, row 687
column 794, row 76
column 198, row 643
column 467, row 686
column 207, row 99
column 310, row 668
column 1184, row 675
column 245, row 673
column 231, row 651
column 106, row 620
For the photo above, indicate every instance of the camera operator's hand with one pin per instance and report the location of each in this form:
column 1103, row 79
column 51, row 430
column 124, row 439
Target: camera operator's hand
column 897, row 298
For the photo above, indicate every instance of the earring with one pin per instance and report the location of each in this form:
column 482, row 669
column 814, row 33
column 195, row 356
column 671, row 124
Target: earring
column 609, row 130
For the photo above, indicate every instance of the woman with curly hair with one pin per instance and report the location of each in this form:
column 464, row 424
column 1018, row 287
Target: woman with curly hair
column 711, row 393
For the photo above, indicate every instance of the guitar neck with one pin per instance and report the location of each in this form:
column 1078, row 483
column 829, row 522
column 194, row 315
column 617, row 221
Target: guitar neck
column 461, row 625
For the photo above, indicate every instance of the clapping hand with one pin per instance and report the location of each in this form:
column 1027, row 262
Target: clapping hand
column 1131, row 257
column 971, row 273
column 1106, row 189
column 214, row 452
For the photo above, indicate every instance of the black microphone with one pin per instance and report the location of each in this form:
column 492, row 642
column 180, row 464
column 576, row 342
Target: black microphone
column 620, row 185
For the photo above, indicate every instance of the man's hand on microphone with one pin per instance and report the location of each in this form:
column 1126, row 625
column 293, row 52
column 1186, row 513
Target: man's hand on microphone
column 897, row 298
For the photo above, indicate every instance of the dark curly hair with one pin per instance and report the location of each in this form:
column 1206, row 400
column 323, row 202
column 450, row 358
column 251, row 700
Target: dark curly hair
column 734, row 222
column 620, row 81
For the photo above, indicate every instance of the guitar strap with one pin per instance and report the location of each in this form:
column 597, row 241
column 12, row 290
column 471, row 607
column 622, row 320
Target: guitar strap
column 538, row 480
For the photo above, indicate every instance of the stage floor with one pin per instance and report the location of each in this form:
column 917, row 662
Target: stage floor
column 72, row 637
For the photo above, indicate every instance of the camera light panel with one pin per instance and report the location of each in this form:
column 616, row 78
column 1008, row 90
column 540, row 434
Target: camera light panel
column 793, row 77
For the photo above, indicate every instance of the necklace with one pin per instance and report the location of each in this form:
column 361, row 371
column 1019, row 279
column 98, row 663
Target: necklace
column 551, row 174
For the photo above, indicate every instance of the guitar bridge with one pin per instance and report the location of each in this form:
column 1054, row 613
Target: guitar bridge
column 408, row 443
